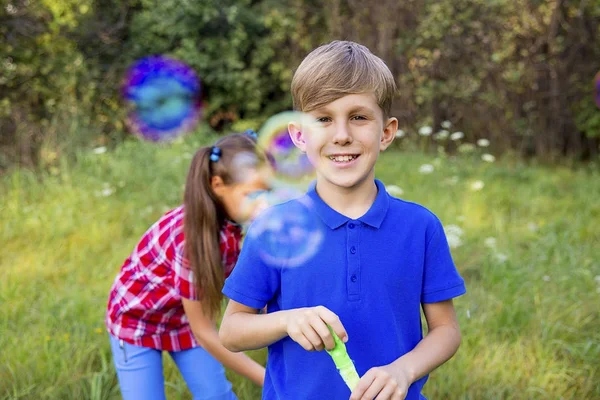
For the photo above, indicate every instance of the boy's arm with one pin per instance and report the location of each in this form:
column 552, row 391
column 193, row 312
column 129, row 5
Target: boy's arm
column 438, row 346
column 242, row 328
column 205, row 332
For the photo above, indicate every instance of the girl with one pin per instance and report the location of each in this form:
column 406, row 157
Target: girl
column 168, row 292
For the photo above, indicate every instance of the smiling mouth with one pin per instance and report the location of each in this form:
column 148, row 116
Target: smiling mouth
column 344, row 158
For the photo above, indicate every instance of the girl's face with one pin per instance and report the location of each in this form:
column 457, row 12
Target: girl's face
column 235, row 195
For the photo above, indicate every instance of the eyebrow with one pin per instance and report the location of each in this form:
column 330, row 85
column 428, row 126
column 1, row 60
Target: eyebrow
column 357, row 109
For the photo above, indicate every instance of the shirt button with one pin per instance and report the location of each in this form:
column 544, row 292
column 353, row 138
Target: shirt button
column 353, row 250
column 353, row 278
column 351, row 225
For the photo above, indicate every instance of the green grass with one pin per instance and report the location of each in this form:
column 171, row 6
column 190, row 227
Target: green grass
column 530, row 320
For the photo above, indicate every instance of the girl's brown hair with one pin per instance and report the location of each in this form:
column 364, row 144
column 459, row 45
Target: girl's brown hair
column 204, row 214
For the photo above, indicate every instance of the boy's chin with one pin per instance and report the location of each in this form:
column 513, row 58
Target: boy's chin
column 349, row 183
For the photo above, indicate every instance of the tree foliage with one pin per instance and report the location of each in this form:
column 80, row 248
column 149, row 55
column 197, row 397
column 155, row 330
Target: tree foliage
column 518, row 72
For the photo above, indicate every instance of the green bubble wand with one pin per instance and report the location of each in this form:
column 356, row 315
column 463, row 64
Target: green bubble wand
column 342, row 361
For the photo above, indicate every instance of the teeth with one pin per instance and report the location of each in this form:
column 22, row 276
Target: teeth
column 342, row 158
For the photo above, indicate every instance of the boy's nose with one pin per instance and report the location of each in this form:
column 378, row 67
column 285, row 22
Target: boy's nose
column 342, row 135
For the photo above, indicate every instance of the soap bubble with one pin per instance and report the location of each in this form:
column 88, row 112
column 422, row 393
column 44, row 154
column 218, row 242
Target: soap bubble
column 164, row 94
column 288, row 234
column 289, row 163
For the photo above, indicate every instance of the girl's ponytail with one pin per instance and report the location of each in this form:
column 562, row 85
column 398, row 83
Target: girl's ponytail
column 204, row 214
column 203, row 217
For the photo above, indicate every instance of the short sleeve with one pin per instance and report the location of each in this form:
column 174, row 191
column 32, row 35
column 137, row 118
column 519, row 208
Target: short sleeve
column 441, row 280
column 253, row 282
column 183, row 276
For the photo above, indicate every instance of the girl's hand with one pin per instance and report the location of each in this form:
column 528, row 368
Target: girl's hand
column 383, row 383
column 258, row 376
column 308, row 327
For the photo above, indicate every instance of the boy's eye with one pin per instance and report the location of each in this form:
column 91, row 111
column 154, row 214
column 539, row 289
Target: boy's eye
column 359, row 117
column 323, row 119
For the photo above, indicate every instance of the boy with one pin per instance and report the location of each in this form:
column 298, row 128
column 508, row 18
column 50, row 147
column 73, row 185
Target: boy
column 381, row 259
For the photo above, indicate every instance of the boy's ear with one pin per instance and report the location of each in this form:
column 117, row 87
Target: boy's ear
column 297, row 135
column 389, row 133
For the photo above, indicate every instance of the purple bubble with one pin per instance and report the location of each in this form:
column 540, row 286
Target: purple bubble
column 164, row 94
column 287, row 160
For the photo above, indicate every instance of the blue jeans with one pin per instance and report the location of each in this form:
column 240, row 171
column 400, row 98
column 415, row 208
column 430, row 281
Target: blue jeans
column 140, row 372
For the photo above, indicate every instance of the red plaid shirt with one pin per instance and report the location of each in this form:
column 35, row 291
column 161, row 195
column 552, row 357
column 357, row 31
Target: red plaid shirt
column 144, row 306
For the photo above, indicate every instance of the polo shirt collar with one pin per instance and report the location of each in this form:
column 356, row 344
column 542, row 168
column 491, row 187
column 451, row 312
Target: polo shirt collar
column 373, row 217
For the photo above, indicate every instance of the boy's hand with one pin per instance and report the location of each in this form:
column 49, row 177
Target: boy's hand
column 383, row 383
column 308, row 327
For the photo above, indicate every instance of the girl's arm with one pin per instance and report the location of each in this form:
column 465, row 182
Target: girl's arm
column 242, row 328
column 205, row 332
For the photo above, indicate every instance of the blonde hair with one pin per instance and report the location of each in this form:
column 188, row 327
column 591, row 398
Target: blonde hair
column 337, row 69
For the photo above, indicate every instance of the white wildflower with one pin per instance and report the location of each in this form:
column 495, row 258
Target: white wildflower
column 457, row 136
column 426, row 169
column 488, row 158
column 532, row 226
column 483, row 143
column 490, row 242
column 446, row 124
column 546, row 278
column 468, row 314
column 501, row 257
column 394, row 190
column 477, row 185
column 400, row 133
column 453, row 230
column 99, row 150
column 454, row 241
column 425, row 131
column 453, row 235
column 441, row 135
column 107, row 191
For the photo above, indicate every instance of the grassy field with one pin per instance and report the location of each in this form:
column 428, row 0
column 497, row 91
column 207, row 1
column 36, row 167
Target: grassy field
column 527, row 241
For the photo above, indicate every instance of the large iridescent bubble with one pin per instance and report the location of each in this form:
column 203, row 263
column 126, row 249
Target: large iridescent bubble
column 292, row 233
column 289, row 234
column 164, row 94
column 289, row 163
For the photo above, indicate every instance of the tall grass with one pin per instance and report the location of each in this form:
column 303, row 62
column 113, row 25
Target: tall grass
column 530, row 319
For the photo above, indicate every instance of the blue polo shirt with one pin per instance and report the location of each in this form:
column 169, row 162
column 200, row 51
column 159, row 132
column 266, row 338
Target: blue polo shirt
column 373, row 272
